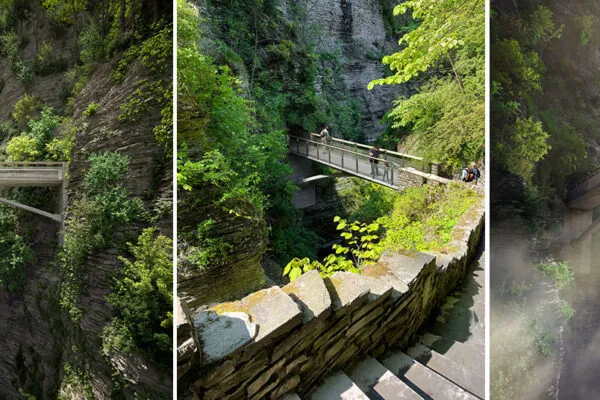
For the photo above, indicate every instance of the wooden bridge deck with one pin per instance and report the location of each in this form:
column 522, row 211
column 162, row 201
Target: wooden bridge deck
column 400, row 172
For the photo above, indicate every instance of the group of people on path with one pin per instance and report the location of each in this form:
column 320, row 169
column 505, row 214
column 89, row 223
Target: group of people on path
column 471, row 174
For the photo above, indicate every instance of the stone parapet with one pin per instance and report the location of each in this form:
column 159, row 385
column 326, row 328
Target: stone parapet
column 280, row 340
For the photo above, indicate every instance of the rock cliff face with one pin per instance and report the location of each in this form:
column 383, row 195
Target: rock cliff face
column 357, row 29
column 36, row 338
column 573, row 65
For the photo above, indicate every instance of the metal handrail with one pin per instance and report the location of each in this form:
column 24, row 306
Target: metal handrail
column 31, row 164
column 364, row 146
column 344, row 150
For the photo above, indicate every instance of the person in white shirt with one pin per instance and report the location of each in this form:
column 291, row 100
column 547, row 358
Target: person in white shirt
column 325, row 137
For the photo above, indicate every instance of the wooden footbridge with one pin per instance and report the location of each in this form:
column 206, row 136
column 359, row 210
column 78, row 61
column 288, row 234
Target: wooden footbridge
column 35, row 174
column 393, row 169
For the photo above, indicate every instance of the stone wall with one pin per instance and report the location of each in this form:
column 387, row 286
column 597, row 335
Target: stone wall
column 285, row 339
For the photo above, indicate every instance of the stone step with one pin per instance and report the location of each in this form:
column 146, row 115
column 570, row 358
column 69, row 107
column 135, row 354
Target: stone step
column 338, row 386
column 463, row 377
column 379, row 383
column 470, row 356
column 427, row 383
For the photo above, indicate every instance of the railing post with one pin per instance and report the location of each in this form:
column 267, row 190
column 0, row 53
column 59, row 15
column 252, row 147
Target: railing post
column 317, row 152
column 392, row 174
column 342, row 159
column 356, row 163
column 329, row 154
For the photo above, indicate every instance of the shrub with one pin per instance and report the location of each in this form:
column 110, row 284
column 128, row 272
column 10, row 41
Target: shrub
column 43, row 128
column 9, row 46
column 46, row 63
column 142, row 298
column 106, row 169
column 23, row 73
column 25, row 109
column 566, row 310
column 59, row 148
column 560, row 272
column 128, row 57
column 157, row 51
column 91, row 43
column 91, row 109
column 23, row 148
column 92, row 220
column 7, row 129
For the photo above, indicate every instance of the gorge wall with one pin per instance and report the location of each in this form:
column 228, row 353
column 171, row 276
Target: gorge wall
column 37, row 338
column 357, row 29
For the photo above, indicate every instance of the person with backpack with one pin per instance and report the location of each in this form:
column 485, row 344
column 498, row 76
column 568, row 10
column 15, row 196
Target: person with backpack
column 374, row 160
column 476, row 173
column 467, row 174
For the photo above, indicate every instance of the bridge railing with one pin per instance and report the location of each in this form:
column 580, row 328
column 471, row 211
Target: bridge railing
column 349, row 157
column 591, row 182
column 30, row 164
column 400, row 159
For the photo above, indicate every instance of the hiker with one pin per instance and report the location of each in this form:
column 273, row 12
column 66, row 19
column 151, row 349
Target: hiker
column 476, row 173
column 386, row 170
column 374, row 160
column 467, row 174
column 325, row 138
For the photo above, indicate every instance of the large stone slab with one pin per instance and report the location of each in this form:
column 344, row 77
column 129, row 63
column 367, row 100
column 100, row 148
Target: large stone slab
column 272, row 310
column 310, row 293
column 407, row 264
column 222, row 334
column 183, row 326
column 347, row 293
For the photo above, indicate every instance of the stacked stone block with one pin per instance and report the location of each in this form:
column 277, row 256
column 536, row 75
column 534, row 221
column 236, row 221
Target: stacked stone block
column 280, row 340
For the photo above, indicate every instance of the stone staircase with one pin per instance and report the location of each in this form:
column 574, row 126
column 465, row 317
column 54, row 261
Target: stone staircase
column 448, row 363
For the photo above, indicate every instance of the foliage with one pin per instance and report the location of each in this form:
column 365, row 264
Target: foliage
column 445, row 118
column 45, row 62
column 544, row 340
column 128, row 57
column 106, row 169
column 25, row 109
column 424, row 218
column 14, row 251
column 91, row 44
column 142, row 299
column 142, row 99
column 31, row 144
column 366, row 201
column 525, row 144
column 91, row 109
column 444, row 26
column 23, row 148
column 157, row 51
column 76, row 384
column 64, row 11
column 566, row 310
column 560, row 272
column 360, row 248
column 91, row 222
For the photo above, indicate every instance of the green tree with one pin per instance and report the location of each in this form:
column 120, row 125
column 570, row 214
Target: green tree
column 445, row 119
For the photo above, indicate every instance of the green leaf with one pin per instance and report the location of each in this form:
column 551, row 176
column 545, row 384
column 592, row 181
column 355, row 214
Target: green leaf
column 295, row 273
